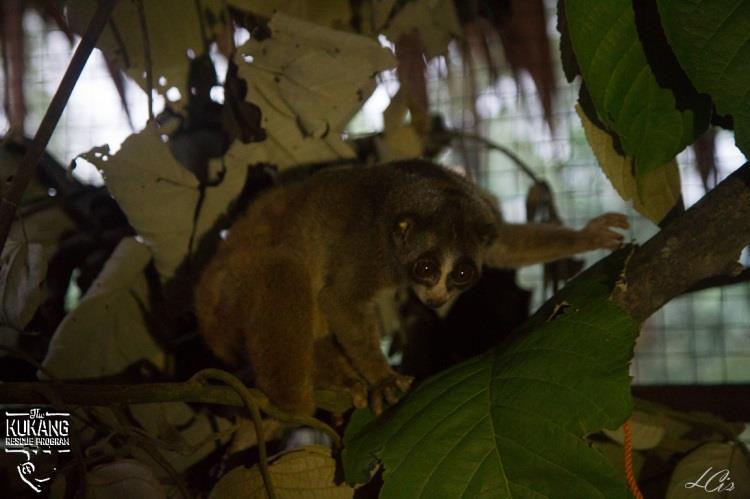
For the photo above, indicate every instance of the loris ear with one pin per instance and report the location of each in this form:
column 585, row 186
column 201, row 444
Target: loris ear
column 404, row 225
column 488, row 233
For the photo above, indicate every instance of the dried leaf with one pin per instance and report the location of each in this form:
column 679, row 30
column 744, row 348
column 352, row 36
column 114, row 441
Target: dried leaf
column 707, row 465
column 647, row 431
column 189, row 435
column 332, row 13
column 45, row 227
column 246, row 437
column 308, row 81
column 106, row 332
column 240, row 118
column 527, row 47
column 160, row 196
column 157, row 194
column 123, row 42
column 435, row 31
column 305, row 473
column 411, row 75
column 653, row 194
column 399, row 143
column 23, row 267
column 478, row 32
column 394, row 115
column 381, row 12
column 124, row 479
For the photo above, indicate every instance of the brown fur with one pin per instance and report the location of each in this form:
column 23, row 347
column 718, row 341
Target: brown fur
column 292, row 290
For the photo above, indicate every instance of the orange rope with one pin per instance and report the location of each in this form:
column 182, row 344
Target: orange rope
column 628, row 445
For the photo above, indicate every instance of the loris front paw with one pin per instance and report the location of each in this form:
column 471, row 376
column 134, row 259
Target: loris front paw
column 389, row 390
column 358, row 391
column 599, row 234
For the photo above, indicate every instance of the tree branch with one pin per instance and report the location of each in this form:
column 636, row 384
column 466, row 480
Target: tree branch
column 84, row 394
column 720, row 281
column 705, row 241
column 12, row 197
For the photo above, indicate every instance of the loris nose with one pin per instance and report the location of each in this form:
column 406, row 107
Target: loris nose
column 435, row 302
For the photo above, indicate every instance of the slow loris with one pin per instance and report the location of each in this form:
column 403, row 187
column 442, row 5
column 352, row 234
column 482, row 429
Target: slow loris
column 293, row 289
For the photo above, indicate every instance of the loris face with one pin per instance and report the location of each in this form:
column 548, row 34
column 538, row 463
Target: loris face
column 438, row 277
column 440, row 261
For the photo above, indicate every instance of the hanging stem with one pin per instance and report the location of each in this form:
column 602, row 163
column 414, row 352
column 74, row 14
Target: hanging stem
column 252, row 407
column 494, row 146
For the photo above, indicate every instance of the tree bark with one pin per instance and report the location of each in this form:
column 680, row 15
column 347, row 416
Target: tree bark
column 704, row 242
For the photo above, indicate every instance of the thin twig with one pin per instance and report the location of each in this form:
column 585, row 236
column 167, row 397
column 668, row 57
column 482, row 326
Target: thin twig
column 489, row 144
column 194, row 390
column 147, row 58
column 252, row 407
column 150, row 449
column 25, row 172
column 335, row 402
column 104, row 394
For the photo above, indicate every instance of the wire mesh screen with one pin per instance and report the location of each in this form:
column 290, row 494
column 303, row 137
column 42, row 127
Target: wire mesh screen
column 94, row 114
column 702, row 337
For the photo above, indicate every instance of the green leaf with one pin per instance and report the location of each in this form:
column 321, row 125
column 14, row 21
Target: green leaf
column 510, row 423
column 628, row 99
column 654, row 194
column 711, row 40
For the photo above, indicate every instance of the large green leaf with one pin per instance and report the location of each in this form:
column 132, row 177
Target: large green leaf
column 711, row 40
column 510, row 423
column 628, row 99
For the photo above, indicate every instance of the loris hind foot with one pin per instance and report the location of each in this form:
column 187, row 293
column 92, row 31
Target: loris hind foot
column 333, row 370
column 389, row 391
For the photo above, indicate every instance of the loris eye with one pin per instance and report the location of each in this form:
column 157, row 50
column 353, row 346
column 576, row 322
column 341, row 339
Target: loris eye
column 426, row 269
column 463, row 274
